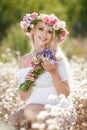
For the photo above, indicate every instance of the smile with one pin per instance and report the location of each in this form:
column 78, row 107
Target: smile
column 43, row 39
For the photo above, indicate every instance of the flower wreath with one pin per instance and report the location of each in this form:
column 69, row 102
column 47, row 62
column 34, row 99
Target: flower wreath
column 30, row 20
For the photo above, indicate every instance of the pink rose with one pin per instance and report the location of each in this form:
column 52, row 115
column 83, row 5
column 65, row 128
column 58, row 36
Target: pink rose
column 25, row 18
column 50, row 22
column 54, row 21
column 45, row 19
column 31, row 63
column 34, row 15
column 63, row 33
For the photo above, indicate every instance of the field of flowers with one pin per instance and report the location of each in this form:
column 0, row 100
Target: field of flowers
column 10, row 101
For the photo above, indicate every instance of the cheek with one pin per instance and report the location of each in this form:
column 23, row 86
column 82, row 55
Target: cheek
column 36, row 34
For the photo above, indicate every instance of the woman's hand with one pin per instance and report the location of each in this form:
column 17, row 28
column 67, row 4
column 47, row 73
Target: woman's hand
column 50, row 67
column 30, row 76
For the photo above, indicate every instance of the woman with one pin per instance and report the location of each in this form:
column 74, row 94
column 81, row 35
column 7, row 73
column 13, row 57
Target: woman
column 43, row 36
column 46, row 32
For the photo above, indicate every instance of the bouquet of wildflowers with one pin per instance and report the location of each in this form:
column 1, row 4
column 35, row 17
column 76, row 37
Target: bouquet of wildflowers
column 37, row 67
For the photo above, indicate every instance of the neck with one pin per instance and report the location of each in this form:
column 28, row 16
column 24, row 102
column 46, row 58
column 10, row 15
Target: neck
column 38, row 48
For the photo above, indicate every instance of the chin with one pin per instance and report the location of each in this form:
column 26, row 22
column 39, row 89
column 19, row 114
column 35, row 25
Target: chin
column 43, row 44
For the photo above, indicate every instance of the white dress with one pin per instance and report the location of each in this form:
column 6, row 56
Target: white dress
column 44, row 85
column 45, row 88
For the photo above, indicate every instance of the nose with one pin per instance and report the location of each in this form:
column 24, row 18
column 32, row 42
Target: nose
column 45, row 33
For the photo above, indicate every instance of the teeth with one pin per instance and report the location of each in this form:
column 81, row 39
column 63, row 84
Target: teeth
column 43, row 39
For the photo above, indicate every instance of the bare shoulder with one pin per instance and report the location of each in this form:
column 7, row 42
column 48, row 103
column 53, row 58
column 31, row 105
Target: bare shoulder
column 23, row 62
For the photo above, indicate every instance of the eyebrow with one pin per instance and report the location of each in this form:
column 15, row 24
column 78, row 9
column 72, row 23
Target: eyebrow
column 40, row 26
column 43, row 27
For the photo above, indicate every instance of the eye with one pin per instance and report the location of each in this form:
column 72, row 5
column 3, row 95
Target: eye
column 40, row 28
column 49, row 31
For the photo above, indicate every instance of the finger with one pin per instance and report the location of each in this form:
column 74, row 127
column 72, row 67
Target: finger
column 46, row 62
column 27, row 77
column 31, row 74
column 30, row 78
column 43, row 65
column 46, row 59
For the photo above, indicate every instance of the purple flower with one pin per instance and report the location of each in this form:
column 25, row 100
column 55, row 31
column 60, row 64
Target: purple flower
column 47, row 53
column 29, row 18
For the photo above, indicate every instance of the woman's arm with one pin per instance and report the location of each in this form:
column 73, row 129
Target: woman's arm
column 25, row 95
column 22, row 64
column 62, row 87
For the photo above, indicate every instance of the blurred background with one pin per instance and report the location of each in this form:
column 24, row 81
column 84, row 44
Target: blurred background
column 14, row 43
column 74, row 12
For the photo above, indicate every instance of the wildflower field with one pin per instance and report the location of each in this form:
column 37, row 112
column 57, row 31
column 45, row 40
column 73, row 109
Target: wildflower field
column 10, row 101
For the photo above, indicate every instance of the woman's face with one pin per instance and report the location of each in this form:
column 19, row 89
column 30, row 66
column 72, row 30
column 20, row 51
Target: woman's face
column 42, row 34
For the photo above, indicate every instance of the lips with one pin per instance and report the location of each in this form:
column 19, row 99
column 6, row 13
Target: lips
column 43, row 39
